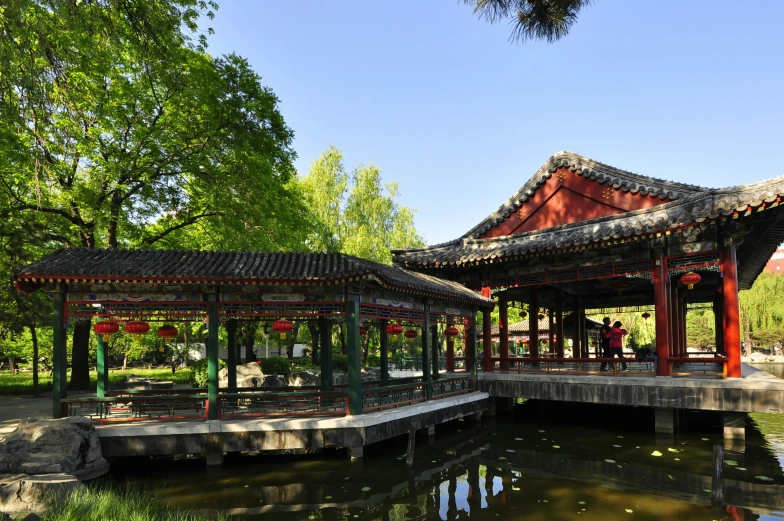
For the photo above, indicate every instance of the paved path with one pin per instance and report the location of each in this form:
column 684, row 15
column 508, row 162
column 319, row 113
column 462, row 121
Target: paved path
column 14, row 408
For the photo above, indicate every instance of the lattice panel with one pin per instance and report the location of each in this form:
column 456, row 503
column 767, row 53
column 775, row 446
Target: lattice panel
column 529, row 280
column 280, row 309
column 562, row 276
column 369, row 311
column 504, row 282
column 596, row 272
column 628, row 268
column 125, row 311
column 694, row 261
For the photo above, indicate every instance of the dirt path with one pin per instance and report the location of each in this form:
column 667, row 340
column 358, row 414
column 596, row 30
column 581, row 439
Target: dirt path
column 14, row 408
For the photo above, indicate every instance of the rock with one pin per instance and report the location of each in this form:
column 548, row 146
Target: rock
column 40, row 446
column 273, row 381
column 305, row 378
column 248, row 375
column 20, row 494
column 223, row 374
column 253, row 381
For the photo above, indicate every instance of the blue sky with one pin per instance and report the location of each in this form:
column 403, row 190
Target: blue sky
column 461, row 118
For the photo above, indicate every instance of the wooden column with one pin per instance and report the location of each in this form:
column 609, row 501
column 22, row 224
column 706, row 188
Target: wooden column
column 213, row 407
column 661, row 300
column 231, row 348
column 426, row 354
column 470, row 356
column 434, row 349
column 585, row 349
column 384, row 347
column 577, row 348
column 533, row 323
column 325, row 334
column 684, row 313
column 354, row 355
column 503, row 329
column 731, row 322
column 487, row 342
column 59, row 356
column 559, row 330
column 674, row 315
column 718, row 321
column 550, row 330
column 471, row 336
column 101, row 367
column 450, row 352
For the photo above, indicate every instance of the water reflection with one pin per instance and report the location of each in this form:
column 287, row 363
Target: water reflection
column 514, row 468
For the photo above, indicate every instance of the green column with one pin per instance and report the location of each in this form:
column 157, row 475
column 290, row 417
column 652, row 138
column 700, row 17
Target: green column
column 354, row 355
column 434, row 349
column 212, row 356
column 472, row 345
column 426, row 354
column 101, row 368
column 59, row 357
column 384, row 352
column 325, row 332
column 231, row 332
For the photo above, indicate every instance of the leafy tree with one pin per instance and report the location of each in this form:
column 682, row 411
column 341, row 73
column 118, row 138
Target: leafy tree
column 117, row 129
column 548, row 20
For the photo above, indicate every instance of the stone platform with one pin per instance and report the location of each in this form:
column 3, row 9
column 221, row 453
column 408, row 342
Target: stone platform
column 157, row 438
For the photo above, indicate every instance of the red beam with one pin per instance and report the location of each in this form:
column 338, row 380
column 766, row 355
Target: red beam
column 661, row 297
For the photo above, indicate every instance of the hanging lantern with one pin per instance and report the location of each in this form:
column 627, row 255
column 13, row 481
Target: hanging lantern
column 690, row 279
column 106, row 329
column 394, row 329
column 411, row 333
column 523, row 314
column 362, row 330
column 282, row 326
column 137, row 328
column 167, row 331
column 540, row 316
column 646, row 315
column 451, row 332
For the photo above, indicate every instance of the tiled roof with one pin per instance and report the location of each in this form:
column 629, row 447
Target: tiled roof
column 590, row 169
column 686, row 209
column 80, row 264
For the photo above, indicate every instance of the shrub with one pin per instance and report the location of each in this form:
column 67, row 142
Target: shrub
column 276, row 365
column 373, row 361
column 340, row 362
column 200, row 372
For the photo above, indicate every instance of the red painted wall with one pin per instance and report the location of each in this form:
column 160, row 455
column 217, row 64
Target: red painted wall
column 776, row 262
column 567, row 198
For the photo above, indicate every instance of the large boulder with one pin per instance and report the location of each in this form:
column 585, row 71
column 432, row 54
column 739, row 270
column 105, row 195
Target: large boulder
column 39, row 446
column 273, row 381
column 248, row 375
column 305, row 378
column 22, row 495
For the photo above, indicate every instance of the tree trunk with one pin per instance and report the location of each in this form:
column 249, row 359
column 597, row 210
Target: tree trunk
column 248, row 336
column 747, row 338
column 343, row 347
column 125, row 362
column 316, row 339
column 366, row 344
column 80, row 356
column 34, row 337
column 11, row 364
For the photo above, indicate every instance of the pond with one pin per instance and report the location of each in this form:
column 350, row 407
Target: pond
column 534, row 464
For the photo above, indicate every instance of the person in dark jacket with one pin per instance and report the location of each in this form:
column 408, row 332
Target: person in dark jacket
column 604, row 341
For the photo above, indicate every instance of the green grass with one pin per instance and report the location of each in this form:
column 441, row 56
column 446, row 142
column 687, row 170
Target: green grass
column 127, row 502
column 22, row 383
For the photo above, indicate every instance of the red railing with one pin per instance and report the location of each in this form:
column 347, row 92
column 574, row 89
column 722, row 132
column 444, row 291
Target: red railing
column 698, row 366
column 577, row 366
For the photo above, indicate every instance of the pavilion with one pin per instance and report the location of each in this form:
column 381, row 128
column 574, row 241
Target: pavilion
column 132, row 288
column 581, row 235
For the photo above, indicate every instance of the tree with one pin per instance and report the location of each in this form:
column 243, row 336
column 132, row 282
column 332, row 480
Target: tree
column 548, row 20
column 117, row 129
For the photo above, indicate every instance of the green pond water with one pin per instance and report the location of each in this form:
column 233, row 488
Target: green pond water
column 540, row 462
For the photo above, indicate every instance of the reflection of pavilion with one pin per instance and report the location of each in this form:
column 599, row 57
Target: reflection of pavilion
column 583, row 235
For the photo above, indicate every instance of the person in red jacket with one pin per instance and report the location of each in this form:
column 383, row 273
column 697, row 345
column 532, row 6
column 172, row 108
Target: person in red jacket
column 616, row 335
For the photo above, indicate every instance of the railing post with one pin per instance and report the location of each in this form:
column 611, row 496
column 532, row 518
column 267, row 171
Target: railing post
column 426, row 353
column 354, row 354
column 212, row 356
column 59, row 357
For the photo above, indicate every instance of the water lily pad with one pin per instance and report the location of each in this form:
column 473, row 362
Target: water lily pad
column 502, row 458
column 545, row 501
column 677, row 459
column 617, row 446
column 740, row 468
column 670, row 476
column 541, row 430
column 581, row 502
column 327, row 497
column 365, row 489
column 637, row 447
column 518, row 439
column 672, row 450
column 246, row 486
column 656, row 453
column 450, row 452
column 433, row 461
column 619, row 437
column 629, row 510
column 346, row 478
column 731, row 463
column 763, row 478
column 705, row 439
column 556, row 446
column 610, row 460
column 515, row 488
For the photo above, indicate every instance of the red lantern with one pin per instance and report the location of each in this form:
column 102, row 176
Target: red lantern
column 523, row 314
column 167, row 331
column 451, row 331
column 282, row 326
column 690, row 279
column 394, row 329
column 646, row 315
column 106, row 329
column 411, row 333
column 137, row 328
column 363, row 331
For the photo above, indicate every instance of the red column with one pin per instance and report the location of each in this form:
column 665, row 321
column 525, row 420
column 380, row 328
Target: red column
column 661, row 298
column 731, row 333
column 487, row 341
column 533, row 323
column 503, row 328
column 559, row 330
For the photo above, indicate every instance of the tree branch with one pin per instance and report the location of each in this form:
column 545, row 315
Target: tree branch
column 183, row 224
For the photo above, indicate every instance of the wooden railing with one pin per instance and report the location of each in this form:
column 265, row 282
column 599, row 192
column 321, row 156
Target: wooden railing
column 446, row 387
column 273, row 405
column 577, row 366
column 393, row 396
column 698, row 366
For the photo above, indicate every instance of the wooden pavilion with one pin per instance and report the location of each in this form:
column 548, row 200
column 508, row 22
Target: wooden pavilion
column 126, row 288
column 584, row 235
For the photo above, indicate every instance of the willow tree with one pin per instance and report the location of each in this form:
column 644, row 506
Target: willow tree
column 117, row 129
column 762, row 311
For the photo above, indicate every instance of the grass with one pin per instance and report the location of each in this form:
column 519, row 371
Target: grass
column 22, row 383
column 126, row 502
